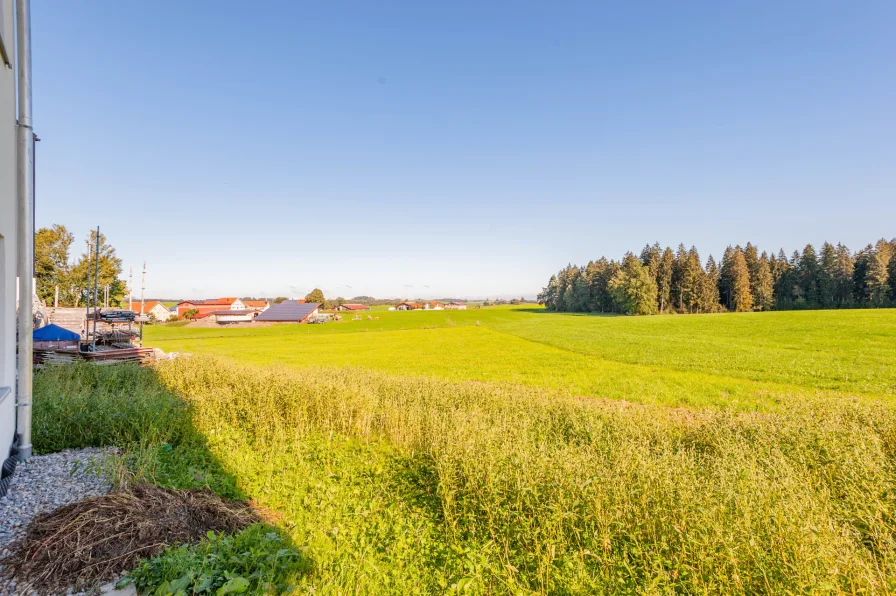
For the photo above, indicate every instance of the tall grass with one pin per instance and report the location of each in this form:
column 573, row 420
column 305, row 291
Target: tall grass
column 91, row 406
column 410, row 485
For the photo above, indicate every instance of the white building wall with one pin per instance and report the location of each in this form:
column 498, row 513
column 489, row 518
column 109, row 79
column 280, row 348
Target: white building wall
column 160, row 312
column 8, row 218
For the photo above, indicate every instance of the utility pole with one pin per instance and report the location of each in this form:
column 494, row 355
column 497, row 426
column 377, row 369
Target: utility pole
column 87, row 291
column 96, row 282
column 130, row 287
column 56, row 298
column 142, row 288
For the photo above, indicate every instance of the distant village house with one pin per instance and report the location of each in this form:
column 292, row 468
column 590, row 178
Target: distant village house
column 343, row 307
column 152, row 308
column 206, row 307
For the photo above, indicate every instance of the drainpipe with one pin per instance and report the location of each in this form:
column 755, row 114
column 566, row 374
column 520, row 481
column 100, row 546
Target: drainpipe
column 25, row 192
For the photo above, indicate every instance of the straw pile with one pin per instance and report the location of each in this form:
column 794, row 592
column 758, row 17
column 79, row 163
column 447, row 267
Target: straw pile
column 97, row 539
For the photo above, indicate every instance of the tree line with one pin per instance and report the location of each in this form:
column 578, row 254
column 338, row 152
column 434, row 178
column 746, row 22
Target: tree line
column 663, row 281
column 54, row 267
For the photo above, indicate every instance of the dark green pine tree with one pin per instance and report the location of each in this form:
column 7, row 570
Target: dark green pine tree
column 726, row 278
column 581, row 294
column 691, row 284
column 564, row 283
column 598, row 275
column 860, row 274
column 763, row 286
column 808, row 271
column 550, row 294
column 843, row 277
column 892, row 271
column 664, row 274
column 751, row 256
column 650, row 258
column 679, row 268
column 827, row 275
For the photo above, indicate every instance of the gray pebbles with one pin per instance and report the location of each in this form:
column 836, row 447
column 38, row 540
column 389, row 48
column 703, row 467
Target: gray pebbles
column 45, row 482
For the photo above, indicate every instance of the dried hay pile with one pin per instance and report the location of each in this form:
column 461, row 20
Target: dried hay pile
column 99, row 538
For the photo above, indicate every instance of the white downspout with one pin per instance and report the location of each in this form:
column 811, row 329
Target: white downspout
column 25, row 192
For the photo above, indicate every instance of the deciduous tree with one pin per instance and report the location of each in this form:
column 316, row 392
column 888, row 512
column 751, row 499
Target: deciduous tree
column 633, row 288
column 315, row 296
column 51, row 264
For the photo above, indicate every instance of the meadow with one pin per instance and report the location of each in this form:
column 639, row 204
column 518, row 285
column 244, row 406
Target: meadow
column 751, row 360
column 511, row 451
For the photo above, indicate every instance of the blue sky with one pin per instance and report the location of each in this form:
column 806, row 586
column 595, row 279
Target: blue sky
column 456, row 148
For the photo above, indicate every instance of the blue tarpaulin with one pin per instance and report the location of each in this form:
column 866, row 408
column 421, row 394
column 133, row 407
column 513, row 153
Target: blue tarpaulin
column 55, row 333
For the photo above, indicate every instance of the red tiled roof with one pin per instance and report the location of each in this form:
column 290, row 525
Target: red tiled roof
column 255, row 302
column 147, row 306
column 356, row 306
column 211, row 302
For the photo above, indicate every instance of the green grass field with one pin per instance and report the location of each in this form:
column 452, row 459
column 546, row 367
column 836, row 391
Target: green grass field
column 742, row 360
column 472, row 452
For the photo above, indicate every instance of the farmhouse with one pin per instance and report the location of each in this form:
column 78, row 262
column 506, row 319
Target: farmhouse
column 290, row 311
column 434, row 305
column 208, row 306
column 408, row 306
column 456, row 306
column 152, row 307
column 352, row 307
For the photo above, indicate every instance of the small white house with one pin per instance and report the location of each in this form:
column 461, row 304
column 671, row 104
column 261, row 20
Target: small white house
column 152, row 308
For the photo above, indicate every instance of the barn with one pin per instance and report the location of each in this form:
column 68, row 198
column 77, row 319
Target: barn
column 290, row 311
column 352, row 307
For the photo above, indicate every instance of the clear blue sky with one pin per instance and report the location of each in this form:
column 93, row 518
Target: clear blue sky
column 456, row 148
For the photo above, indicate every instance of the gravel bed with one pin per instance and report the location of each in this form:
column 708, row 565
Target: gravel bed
column 45, row 482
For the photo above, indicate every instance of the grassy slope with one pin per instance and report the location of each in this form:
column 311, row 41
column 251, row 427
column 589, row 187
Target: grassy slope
column 749, row 360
